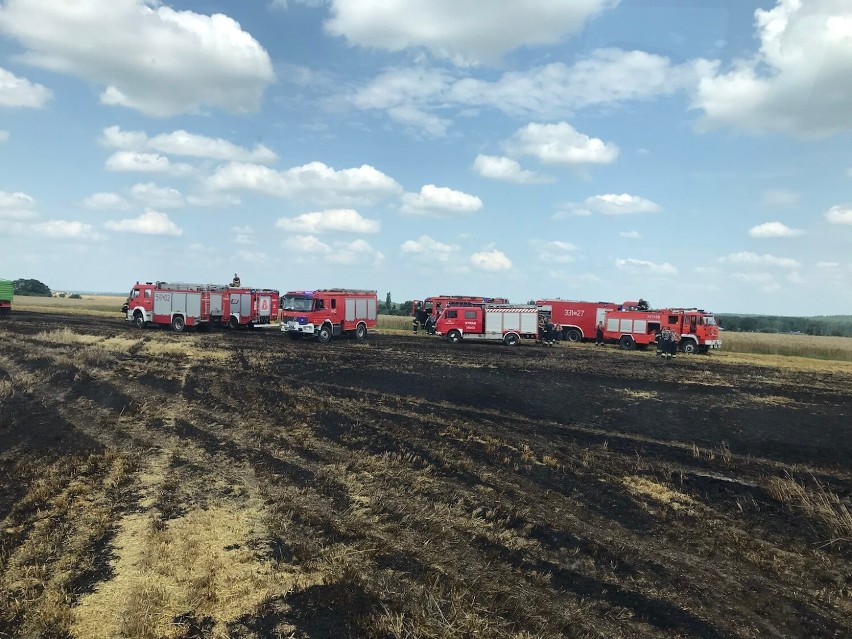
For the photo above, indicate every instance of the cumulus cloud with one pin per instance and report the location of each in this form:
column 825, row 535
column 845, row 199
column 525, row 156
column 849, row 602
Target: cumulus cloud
column 308, row 244
column 839, row 215
column 555, row 251
column 439, row 201
column 774, row 229
column 20, row 92
column 106, row 202
column 355, row 253
column 149, row 223
column 746, row 257
column 644, row 267
column 131, row 161
column 428, row 250
column 491, row 260
column 621, row 204
column 420, row 120
column 791, row 84
column 314, row 181
column 157, row 197
column 4, row 135
column 345, row 220
column 506, row 170
column 16, row 206
column 65, row 229
column 765, row 282
column 630, row 235
column 199, row 61
column 464, row 32
column 561, row 144
column 183, row 143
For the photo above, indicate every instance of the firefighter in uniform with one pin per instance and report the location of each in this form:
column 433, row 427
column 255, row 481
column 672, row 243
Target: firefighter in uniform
column 675, row 342
column 665, row 343
column 235, row 283
column 599, row 334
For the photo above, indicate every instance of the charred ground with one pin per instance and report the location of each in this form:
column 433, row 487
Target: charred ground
column 240, row 484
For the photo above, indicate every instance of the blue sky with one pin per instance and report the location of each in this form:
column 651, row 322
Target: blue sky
column 691, row 153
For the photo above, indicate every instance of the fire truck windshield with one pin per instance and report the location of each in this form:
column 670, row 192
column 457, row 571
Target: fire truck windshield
column 303, row 304
column 709, row 320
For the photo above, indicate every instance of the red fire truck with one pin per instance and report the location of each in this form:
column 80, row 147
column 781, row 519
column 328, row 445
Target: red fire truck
column 508, row 323
column 199, row 305
column 432, row 306
column 578, row 319
column 636, row 329
column 328, row 312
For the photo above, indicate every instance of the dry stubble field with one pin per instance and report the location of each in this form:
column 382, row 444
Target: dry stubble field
column 238, row 484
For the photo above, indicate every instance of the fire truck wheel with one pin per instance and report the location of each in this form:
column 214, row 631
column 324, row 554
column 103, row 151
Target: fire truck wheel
column 233, row 323
column 454, row 336
column 324, row 334
column 573, row 335
column 139, row 320
column 627, row 343
column 689, row 347
column 178, row 323
column 361, row 331
column 511, row 340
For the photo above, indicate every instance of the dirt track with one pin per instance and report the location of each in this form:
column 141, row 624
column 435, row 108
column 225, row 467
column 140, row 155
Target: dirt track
column 244, row 485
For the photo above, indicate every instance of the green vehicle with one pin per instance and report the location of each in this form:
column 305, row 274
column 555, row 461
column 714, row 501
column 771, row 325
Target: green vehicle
column 7, row 292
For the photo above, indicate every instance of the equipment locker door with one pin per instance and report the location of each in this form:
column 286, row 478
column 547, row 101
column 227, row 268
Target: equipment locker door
column 245, row 305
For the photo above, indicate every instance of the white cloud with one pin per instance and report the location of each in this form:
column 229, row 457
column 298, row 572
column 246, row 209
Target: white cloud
column 148, row 56
column 792, row 84
column 774, row 229
column 183, row 143
column 795, row 278
column 16, row 206
column 20, row 92
column 314, row 181
column 439, row 201
column 149, row 223
column 345, row 220
column 555, row 251
column 355, row 253
column 106, row 202
column 506, row 170
column 630, row 235
column 213, row 200
column 146, row 163
column 553, row 91
column 157, row 197
column 253, row 257
column 764, row 281
column 491, row 260
column 779, row 198
column 621, row 204
column 4, row 135
column 746, row 257
column 561, row 144
column 644, row 267
column 839, row 215
column 64, row 229
column 828, row 264
column 464, row 32
column 308, row 244
column 428, row 250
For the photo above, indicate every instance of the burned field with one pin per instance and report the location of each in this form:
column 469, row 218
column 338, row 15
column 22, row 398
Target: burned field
column 244, row 485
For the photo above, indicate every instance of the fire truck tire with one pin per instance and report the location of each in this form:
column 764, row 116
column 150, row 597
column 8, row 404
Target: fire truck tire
column 178, row 324
column 454, row 337
column 689, row 347
column 361, row 331
column 627, row 343
column 139, row 320
column 324, row 334
column 233, row 323
column 573, row 335
column 511, row 340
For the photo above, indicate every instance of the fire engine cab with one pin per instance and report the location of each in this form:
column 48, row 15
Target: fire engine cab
column 328, row 312
column 432, row 306
column 507, row 323
column 631, row 329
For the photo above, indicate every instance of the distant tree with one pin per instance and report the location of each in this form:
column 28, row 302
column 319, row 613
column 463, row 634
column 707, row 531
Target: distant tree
column 31, row 287
column 75, row 296
column 388, row 303
column 643, row 305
